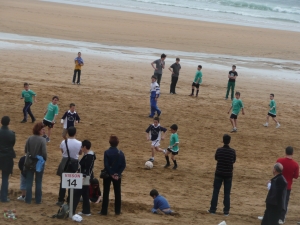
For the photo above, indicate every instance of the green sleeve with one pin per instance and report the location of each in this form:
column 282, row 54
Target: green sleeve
column 242, row 105
column 32, row 93
column 176, row 139
column 273, row 104
column 22, row 94
column 56, row 110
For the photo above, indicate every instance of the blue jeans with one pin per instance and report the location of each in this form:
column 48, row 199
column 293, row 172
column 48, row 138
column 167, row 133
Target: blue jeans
column 217, row 186
column 4, row 186
column 154, row 107
column 38, row 186
column 27, row 110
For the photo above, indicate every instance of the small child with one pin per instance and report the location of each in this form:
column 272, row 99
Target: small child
column 160, row 204
column 95, row 193
column 153, row 133
column 236, row 107
column 22, row 178
column 50, row 116
column 272, row 112
column 27, row 95
column 173, row 147
column 69, row 119
column 197, row 81
column 154, row 95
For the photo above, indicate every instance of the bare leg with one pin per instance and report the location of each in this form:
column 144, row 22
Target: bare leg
column 49, row 131
column 235, row 123
column 232, row 122
column 152, row 149
column 276, row 121
column 159, row 149
column 23, row 192
column 267, row 121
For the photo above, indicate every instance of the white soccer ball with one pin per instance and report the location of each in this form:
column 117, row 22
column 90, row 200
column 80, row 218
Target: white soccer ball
column 148, row 165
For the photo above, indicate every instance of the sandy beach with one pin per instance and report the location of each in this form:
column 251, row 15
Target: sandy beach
column 114, row 99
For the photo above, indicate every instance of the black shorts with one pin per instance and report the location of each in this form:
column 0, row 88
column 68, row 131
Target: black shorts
column 173, row 153
column 195, row 85
column 272, row 115
column 48, row 124
column 233, row 116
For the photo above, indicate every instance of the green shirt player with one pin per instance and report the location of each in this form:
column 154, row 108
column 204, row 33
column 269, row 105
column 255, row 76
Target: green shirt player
column 29, row 96
column 236, row 107
column 197, row 81
column 173, row 147
column 50, row 116
column 272, row 112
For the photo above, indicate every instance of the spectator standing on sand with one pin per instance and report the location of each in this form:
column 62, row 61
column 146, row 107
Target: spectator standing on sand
column 7, row 155
column 232, row 75
column 175, row 69
column 225, row 158
column 275, row 201
column 159, row 66
column 78, row 64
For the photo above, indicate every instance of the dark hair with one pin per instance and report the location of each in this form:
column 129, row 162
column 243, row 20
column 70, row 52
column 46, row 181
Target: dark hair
column 174, row 127
column 177, row 59
column 94, row 181
column 78, row 53
column 238, row 93
column 71, row 131
column 226, row 139
column 55, row 97
column 154, row 192
column 234, row 66
column 272, row 95
column 26, row 84
column 72, row 104
column 37, row 128
column 199, row 66
column 113, row 141
column 87, row 144
column 154, row 77
column 289, row 150
column 163, row 56
column 156, row 118
column 5, row 120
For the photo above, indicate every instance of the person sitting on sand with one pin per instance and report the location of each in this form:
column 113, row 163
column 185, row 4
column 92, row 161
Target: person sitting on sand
column 161, row 205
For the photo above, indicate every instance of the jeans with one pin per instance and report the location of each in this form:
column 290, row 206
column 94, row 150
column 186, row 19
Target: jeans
column 4, row 186
column 38, row 186
column 27, row 110
column 78, row 77
column 271, row 216
column 283, row 212
column 173, row 84
column 231, row 86
column 153, row 107
column 84, row 192
column 217, row 186
column 158, row 75
column 117, row 190
column 62, row 193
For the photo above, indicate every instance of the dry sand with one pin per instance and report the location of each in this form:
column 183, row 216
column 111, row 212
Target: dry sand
column 114, row 99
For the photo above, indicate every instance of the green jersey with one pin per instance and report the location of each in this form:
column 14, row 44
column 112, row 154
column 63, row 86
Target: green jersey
column 198, row 76
column 237, row 105
column 173, row 140
column 52, row 110
column 272, row 107
column 27, row 95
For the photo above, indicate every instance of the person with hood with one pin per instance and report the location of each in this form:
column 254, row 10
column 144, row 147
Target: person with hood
column 86, row 165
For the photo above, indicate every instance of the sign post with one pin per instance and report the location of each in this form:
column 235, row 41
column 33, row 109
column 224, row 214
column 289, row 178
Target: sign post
column 72, row 181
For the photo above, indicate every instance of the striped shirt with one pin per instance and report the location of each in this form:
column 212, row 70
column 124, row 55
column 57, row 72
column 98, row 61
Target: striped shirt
column 226, row 158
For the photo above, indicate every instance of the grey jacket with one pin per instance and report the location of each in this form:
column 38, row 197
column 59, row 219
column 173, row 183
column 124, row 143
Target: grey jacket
column 36, row 145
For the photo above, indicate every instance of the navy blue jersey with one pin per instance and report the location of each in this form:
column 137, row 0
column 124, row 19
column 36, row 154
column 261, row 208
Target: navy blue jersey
column 155, row 132
column 70, row 118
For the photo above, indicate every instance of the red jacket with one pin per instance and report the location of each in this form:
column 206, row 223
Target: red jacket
column 290, row 170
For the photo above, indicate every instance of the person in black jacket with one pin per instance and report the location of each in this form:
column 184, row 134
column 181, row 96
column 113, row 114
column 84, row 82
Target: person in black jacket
column 226, row 158
column 114, row 163
column 275, row 201
column 7, row 154
column 86, row 165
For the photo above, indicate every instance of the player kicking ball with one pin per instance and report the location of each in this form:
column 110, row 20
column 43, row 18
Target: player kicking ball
column 272, row 112
column 173, row 147
column 236, row 107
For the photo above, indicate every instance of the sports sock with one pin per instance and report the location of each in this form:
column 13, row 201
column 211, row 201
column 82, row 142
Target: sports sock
column 192, row 91
column 197, row 92
column 167, row 159
column 267, row 123
column 175, row 163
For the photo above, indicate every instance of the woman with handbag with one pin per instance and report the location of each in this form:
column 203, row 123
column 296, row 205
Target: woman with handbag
column 35, row 146
column 86, row 166
column 114, row 163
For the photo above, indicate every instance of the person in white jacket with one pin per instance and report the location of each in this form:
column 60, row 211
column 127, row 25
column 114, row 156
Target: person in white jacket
column 154, row 95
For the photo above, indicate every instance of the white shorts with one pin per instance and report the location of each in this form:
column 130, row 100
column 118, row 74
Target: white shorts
column 155, row 143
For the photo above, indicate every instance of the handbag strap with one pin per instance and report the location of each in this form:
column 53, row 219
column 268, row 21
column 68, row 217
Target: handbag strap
column 66, row 142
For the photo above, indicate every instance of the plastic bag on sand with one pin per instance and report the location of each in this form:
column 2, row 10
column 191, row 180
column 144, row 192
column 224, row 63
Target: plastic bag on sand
column 223, row 223
column 77, row 218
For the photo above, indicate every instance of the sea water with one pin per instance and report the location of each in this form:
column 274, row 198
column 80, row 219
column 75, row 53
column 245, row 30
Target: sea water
column 273, row 14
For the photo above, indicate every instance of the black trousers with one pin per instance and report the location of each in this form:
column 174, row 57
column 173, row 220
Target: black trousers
column 84, row 192
column 271, row 216
column 27, row 110
column 62, row 193
column 158, row 75
column 287, row 199
column 105, row 199
column 78, row 77
column 173, row 84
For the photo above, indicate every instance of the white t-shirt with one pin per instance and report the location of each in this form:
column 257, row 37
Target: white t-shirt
column 74, row 148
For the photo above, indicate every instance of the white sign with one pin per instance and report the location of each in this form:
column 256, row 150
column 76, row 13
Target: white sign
column 72, row 180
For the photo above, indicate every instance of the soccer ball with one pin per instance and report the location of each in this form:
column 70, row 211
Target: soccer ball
column 148, row 165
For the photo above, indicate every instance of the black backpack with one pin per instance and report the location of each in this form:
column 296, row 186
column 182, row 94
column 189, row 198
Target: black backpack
column 63, row 212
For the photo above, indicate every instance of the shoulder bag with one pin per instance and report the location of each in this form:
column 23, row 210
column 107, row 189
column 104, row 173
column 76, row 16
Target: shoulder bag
column 104, row 174
column 30, row 162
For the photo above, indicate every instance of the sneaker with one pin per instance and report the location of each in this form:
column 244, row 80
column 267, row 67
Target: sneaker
column 23, row 121
column 210, row 212
column 102, row 214
column 191, row 95
column 21, row 198
column 59, row 203
column 78, row 83
column 73, row 82
column 233, row 130
column 150, row 116
column 47, row 139
column 33, row 120
column 167, row 165
column 174, row 167
column 151, row 160
column 226, row 213
column 84, row 214
column 281, row 221
column 278, row 125
column 265, row 125
column 158, row 114
column 260, row 217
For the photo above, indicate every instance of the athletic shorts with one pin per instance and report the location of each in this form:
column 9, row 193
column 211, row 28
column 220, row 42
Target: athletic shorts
column 173, row 153
column 272, row 115
column 65, row 132
column 233, row 116
column 155, row 143
column 195, row 85
column 22, row 182
column 48, row 124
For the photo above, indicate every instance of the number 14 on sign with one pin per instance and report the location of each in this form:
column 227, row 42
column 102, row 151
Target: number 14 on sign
column 72, row 180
